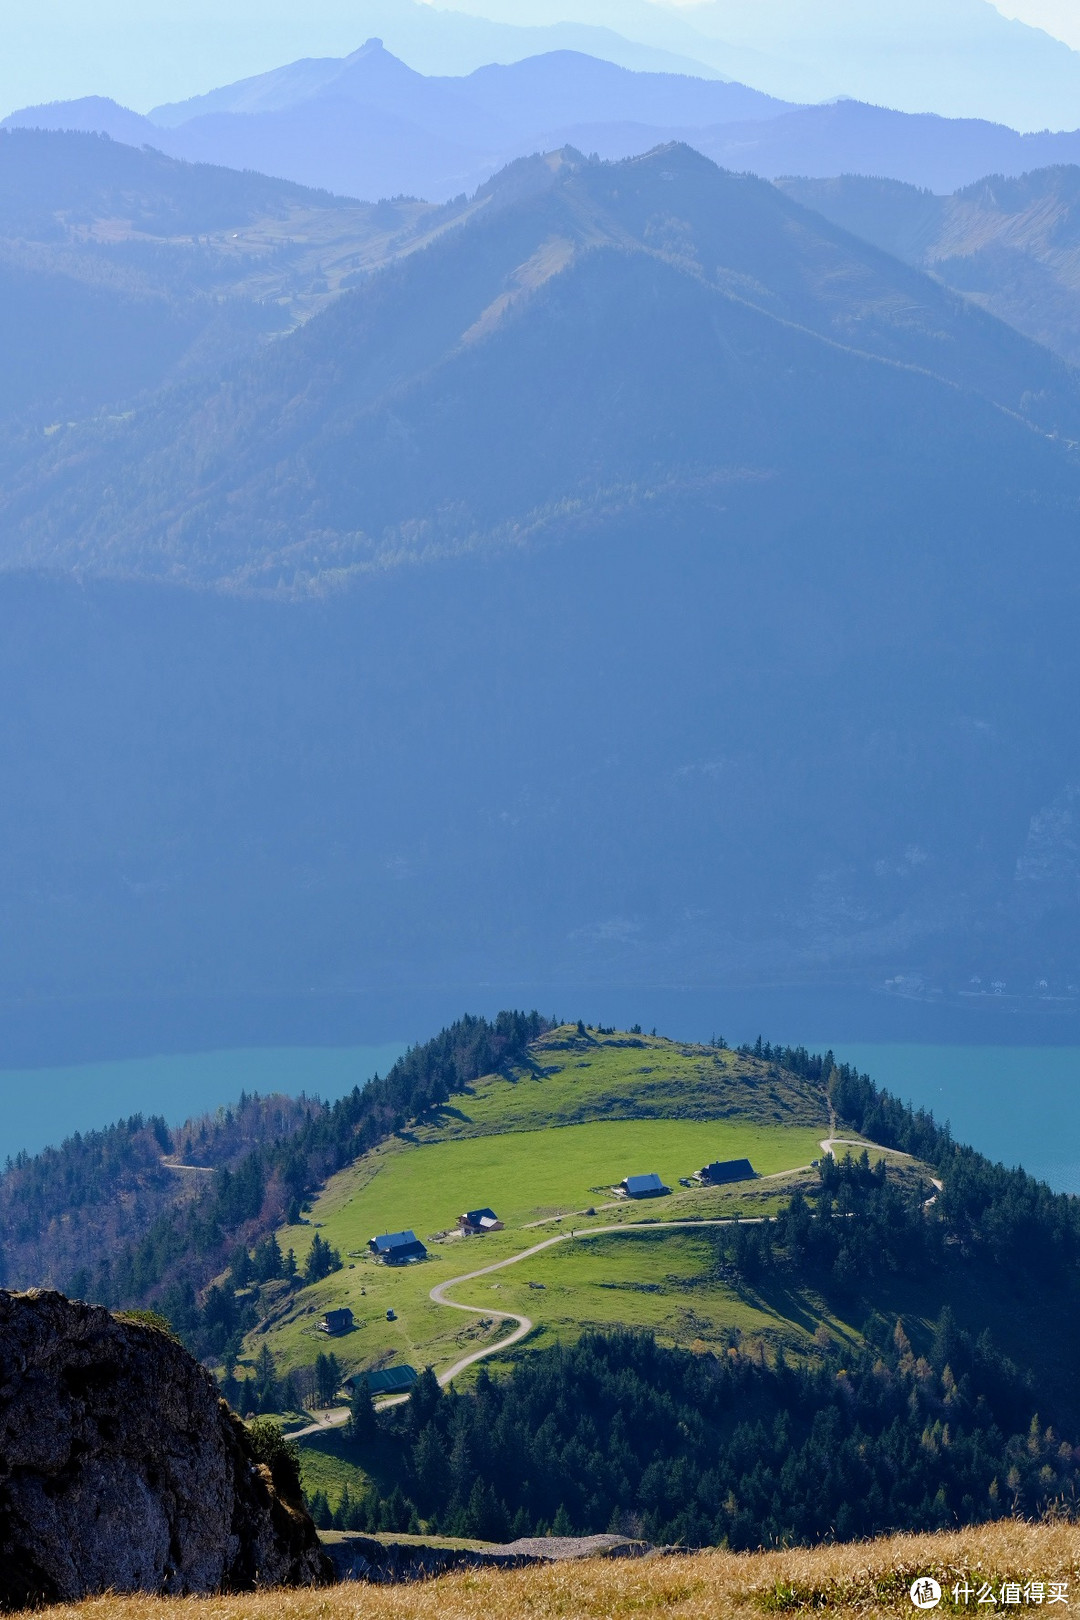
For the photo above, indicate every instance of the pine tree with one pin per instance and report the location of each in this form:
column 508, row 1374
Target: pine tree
column 431, row 1466
column 485, row 1515
column 267, row 1393
column 319, row 1508
column 327, row 1378
column 321, row 1260
column 362, row 1420
column 424, row 1400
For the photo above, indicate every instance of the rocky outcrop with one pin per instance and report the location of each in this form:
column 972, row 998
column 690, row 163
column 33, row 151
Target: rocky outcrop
column 121, row 1468
column 365, row 1558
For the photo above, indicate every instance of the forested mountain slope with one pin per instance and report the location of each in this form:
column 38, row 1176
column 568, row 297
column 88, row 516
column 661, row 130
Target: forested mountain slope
column 745, row 341
column 123, row 269
column 739, row 508
column 111, row 1209
column 1010, row 245
column 69, row 1208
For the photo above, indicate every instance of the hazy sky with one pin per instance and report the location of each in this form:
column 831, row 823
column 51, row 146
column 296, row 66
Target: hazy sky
column 1059, row 17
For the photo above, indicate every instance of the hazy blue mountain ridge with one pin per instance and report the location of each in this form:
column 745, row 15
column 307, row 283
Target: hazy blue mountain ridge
column 849, row 137
column 141, row 58
column 960, row 58
column 557, row 87
column 1009, row 244
column 955, row 57
column 369, row 126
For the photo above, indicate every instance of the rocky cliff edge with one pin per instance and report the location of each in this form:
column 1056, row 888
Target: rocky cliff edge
column 122, row 1470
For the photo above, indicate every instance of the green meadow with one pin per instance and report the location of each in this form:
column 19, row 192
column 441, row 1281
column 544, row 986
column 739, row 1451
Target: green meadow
column 527, row 1177
column 662, row 1281
column 545, row 1147
column 574, row 1078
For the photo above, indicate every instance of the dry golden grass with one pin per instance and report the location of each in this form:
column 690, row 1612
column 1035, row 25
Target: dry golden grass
column 865, row 1579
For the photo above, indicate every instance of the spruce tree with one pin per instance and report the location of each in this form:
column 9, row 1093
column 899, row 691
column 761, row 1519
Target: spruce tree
column 362, row 1421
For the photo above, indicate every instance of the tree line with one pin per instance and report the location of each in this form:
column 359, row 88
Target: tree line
column 616, row 1433
column 172, row 1263
column 1005, row 1215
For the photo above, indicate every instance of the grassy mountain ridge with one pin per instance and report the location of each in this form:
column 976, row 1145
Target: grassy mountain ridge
column 780, row 1330
column 626, row 1105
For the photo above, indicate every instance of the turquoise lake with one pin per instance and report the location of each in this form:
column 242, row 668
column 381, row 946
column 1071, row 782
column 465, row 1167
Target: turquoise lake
column 1019, row 1104
column 1015, row 1102
column 39, row 1107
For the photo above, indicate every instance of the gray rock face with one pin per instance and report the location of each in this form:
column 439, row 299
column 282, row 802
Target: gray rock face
column 122, row 1469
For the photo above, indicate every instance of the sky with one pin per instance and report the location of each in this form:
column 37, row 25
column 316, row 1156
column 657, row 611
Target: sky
column 1058, row 17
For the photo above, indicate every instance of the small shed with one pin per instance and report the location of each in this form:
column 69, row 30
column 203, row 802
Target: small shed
column 387, row 1381
column 721, row 1170
column 339, row 1321
column 643, row 1186
column 479, row 1221
column 395, row 1248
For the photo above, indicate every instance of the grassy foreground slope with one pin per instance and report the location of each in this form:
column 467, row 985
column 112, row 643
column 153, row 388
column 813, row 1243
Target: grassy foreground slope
column 545, row 1145
column 865, row 1579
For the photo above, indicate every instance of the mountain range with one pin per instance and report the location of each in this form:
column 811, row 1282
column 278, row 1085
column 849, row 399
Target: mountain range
column 641, row 580
column 369, row 126
column 141, row 57
column 342, row 422
column 959, row 58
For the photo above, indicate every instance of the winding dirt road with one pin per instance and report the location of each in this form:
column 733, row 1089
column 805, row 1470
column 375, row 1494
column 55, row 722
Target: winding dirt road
column 524, row 1324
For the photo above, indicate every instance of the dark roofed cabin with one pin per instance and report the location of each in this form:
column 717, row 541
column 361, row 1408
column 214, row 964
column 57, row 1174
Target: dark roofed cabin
column 337, row 1321
column 479, row 1221
column 395, row 1248
column 643, row 1186
column 721, row 1170
column 387, row 1381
